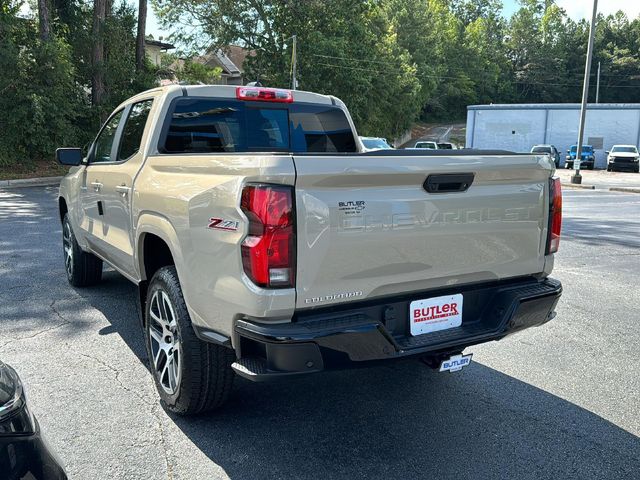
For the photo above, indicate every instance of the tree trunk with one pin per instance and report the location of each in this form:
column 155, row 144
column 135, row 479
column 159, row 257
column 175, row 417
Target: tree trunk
column 97, row 55
column 142, row 25
column 44, row 20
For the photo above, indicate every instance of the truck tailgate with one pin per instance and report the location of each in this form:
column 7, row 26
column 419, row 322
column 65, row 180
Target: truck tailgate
column 367, row 227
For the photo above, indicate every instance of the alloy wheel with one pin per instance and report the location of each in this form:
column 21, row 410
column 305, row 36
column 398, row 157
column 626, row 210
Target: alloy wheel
column 165, row 342
column 67, row 244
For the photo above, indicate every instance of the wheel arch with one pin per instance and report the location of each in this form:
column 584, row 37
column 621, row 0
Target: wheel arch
column 63, row 209
column 157, row 246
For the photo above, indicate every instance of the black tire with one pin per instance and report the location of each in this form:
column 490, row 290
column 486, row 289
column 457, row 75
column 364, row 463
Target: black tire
column 205, row 377
column 83, row 268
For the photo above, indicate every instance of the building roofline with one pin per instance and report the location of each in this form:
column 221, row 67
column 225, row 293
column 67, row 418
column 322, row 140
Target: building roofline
column 556, row 106
column 158, row 43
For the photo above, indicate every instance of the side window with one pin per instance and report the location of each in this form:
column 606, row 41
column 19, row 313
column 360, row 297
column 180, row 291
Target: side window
column 104, row 142
column 133, row 129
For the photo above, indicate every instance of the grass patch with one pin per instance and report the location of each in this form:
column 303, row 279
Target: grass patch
column 33, row 169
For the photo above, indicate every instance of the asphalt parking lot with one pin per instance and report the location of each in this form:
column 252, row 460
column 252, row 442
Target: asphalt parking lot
column 560, row 401
column 601, row 179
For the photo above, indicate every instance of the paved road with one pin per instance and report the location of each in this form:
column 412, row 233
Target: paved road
column 602, row 179
column 561, row 401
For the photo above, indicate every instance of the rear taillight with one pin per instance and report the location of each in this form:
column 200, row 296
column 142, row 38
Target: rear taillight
column 264, row 94
column 555, row 215
column 268, row 251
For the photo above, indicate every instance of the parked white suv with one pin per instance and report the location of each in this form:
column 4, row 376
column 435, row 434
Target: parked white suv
column 623, row 157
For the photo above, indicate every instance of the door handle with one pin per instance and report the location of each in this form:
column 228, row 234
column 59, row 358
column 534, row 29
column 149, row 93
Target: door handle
column 96, row 186
column 123, row 189
column 448, row 182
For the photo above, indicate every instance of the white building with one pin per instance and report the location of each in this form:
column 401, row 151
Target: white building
column 518, row 127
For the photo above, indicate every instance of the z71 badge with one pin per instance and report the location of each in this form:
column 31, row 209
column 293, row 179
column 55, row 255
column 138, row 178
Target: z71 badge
column 222, row 224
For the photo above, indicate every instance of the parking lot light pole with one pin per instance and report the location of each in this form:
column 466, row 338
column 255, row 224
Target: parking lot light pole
column 577, row 178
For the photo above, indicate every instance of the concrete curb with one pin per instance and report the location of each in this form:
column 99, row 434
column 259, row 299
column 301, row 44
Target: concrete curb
column 30, row 182
column 625, row 189
column 573, row 185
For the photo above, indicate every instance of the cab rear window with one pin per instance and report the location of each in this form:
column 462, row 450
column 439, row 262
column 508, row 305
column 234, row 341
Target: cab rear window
column 205, row 125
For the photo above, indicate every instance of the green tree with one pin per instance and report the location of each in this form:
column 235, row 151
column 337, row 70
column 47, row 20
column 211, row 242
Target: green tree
column 187, row 70
column 354, row 55
column 38, row 97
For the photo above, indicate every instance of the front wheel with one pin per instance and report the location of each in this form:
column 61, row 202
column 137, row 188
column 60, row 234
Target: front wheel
column 83, row 268
column 191, row 376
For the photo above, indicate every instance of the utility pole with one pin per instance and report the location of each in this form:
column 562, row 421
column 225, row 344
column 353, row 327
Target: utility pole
column 577, row 178
column 598, row 84
column 294, row 63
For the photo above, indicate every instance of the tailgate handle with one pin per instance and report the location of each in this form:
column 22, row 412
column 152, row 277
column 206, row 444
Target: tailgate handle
column 448, row 182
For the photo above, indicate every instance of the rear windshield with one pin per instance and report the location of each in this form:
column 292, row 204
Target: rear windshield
column 541, row 150
column 206, row 125
column 375, row 143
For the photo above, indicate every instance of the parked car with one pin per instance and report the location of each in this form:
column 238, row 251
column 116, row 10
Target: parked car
column 375, row 143
column 266, row 250
column 587, row 157
column 426, row 144
column 549, row 150
column 23, row 452
column 446, row 146
column 623, row 157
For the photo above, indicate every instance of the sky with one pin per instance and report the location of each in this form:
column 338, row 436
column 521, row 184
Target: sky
column 576, row 9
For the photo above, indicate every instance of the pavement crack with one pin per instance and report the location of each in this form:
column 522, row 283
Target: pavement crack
column 163, row 441
column 63, row 322
column 153, row 410
column 117, row 373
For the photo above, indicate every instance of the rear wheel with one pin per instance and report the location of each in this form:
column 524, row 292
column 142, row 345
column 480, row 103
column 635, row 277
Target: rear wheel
column 191, row 376
column 83, row 268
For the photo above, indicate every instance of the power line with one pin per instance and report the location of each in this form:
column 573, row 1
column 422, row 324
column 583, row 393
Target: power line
column 350, row 59
column 450, row 77
column 444, row 77
column 572, row 84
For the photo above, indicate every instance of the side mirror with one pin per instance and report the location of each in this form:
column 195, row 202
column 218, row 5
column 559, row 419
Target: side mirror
column 69, row 156
column 607, row 152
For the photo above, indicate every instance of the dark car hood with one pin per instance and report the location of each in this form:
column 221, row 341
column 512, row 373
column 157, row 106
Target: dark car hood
column 10, row 387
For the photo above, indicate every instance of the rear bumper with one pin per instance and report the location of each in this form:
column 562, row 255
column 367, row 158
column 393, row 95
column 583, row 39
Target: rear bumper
column 342, row 336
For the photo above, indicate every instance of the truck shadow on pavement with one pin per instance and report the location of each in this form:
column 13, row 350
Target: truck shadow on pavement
column 397, row 420
column 601, row 233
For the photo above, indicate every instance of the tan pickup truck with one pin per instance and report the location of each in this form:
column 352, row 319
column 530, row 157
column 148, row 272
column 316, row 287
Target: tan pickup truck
column 265, row 243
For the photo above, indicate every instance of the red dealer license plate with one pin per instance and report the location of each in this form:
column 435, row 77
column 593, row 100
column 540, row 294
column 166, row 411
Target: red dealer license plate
column 435, row 314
